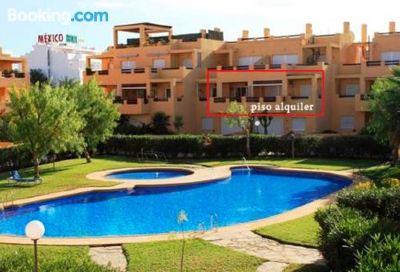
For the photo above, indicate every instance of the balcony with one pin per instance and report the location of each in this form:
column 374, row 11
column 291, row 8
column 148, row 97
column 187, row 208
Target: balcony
column 13, row 79
column 134, row 106
column 220, row 104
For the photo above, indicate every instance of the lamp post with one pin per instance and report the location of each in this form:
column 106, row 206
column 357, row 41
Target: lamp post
column 292, row 136
column 35, row 230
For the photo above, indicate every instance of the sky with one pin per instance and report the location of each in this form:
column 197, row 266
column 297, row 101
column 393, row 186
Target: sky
column 189, row 16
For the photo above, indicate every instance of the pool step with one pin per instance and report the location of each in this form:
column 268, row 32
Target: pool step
column 109, row 255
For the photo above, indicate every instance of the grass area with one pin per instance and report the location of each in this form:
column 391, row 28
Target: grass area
column 51, row 259
column 70, row 174
column 381, row 171
column 323, row 164
column 306, row 268
column 301, row 231
column 199, row 256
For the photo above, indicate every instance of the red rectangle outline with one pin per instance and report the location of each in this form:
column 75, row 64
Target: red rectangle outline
column 317, row 114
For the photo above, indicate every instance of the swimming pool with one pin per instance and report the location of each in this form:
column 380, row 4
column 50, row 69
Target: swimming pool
column 244, row 197
column 148, row 174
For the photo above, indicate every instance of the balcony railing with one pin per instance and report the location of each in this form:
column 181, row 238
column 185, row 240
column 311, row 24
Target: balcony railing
column 380, row 62
column 219, row 99
column 299, row 97
column 269, row 98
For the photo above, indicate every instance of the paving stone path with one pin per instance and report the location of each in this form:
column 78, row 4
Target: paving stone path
column 109, row 255
column 279, row 255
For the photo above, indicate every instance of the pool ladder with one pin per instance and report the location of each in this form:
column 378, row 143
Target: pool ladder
column 213, row 221
column 245, row 163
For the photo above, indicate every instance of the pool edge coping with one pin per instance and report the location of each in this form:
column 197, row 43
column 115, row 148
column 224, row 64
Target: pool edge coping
column 223, row 172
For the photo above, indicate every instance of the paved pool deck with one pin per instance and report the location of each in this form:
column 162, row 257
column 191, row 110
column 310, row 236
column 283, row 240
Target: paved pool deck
column 199, row 175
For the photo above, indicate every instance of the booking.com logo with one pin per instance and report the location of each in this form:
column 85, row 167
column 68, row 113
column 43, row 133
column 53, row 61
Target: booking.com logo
column 63, row 17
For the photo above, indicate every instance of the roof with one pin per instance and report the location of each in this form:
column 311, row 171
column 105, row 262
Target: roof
column 144, row 24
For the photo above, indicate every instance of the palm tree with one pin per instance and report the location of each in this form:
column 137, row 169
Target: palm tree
column 160, row 123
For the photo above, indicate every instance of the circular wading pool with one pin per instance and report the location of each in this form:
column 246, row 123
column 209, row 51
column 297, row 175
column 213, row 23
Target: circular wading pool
column 148, row 174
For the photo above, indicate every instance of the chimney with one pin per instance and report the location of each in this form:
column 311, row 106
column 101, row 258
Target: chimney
column 364, row 33
column 266, row 32
column 308, row 29
column 392, row 26
column 245, row 34
column 346, row 27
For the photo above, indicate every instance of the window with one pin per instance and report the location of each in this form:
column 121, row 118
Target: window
column 214, row 91
column 298, row 124
column 351, row 89
column 238, row 92
column 128, row 65
column 159, row 63
column 285, row 59
column 187, row 63
column 390, row 56
column 305, row 90
column 168, row 92
column 207, row 124
column 347, row 122
column 249, row 60
column 198, row 64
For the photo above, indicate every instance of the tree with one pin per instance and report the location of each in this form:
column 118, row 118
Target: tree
column 178, row 122
column 37, row 75
column 98, row 113
column 265, row 121
column 44, row 120
column 241, row 120
column 160, row 123
column 385, row 109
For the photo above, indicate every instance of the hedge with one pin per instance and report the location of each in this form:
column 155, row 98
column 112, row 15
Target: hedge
column 174, row 146
column 382, row 202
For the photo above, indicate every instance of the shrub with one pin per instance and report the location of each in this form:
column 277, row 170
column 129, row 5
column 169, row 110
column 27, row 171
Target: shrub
column 383, row 202
column 381, row 254
column 346, row 231
column 234, row 146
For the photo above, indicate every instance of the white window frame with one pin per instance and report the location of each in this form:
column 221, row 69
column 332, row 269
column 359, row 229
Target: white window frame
column 352, row 89
column 296, row 127
column 127, row 64
column 390, row 56
column 159, row 63
column 305, row 90
column 347, row 122
column 285, row 59
column 249, row 60
column 207, row 124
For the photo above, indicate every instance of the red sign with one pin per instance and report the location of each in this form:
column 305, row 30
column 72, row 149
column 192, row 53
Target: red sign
column 50, row 38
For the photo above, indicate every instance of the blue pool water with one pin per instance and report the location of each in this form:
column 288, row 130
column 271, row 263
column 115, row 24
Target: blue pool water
column 148, row 174
column 243, row 197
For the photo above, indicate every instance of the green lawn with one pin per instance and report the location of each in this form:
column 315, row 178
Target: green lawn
column 153, row 256
column 200, row 256
column 323, row 164
column 301, row 231
column 70, row 174
column 51, row 259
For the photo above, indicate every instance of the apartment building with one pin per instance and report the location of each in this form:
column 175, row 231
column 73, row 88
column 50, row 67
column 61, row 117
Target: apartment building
column 59, row 60
column 13, row 72
column 165, row 72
